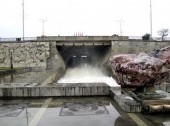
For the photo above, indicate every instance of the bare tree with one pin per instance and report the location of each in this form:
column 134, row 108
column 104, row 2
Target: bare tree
column 163, row 32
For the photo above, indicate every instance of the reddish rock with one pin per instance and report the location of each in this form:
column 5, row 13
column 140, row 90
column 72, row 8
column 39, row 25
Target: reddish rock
column 141, row 69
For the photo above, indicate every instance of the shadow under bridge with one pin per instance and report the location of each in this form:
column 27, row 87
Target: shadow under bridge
column 75, row 55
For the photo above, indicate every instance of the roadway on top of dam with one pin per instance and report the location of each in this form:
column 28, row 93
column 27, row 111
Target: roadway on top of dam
column 78, row 38
column 66, row 39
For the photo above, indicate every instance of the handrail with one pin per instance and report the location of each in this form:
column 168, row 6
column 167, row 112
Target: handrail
column 18, row 39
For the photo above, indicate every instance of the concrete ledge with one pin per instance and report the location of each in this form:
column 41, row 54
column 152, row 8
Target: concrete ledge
column 126, row 102
column 148, row 105
column 10, row 71
column 37, row 90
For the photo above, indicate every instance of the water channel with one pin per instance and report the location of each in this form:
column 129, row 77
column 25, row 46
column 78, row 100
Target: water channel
column 74, row 111
column 70, row 111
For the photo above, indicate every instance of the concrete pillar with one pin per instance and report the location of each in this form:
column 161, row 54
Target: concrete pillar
column 54, row 61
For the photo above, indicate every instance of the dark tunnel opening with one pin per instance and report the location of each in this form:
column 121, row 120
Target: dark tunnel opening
column 77, row 55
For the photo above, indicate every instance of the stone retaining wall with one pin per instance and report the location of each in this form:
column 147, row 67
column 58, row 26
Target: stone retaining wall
column 28, row 54
column 119, row 47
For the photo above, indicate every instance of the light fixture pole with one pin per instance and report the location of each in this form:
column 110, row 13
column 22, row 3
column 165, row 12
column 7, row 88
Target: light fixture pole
column 43, row 21
column 23, row 23
column 151, row 17
column 11, row 57
column 120, row 26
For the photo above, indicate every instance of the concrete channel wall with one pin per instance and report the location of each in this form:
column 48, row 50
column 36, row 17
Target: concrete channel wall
column 36, row 90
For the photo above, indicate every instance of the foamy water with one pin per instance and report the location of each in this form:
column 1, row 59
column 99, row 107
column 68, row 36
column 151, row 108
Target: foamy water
column 87, row 74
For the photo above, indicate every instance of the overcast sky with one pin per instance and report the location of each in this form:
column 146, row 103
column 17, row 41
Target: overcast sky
column 92, row 17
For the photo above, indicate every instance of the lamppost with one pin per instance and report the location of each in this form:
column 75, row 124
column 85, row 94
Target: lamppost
column 151, row 17
column 23, row 22
column 11, row 57
column 43, row 21
column 120, row 26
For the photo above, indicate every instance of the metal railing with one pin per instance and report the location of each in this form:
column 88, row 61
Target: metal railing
column 153, row 38
column 17, row 39
column 7, row 39
column 135, row 37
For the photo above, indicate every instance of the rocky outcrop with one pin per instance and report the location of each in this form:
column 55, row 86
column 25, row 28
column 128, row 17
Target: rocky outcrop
column 141, row 69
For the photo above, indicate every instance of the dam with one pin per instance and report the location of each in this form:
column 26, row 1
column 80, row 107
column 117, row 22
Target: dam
column 49, row 76
column 54, row 55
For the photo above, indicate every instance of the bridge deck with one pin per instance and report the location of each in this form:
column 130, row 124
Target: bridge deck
column 65, row 39
column 80, row 39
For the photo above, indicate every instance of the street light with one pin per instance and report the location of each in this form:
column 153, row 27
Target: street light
column 23, row 23
column 120, row 26
column 43, row 21
column 11, row 57
column 151, row 17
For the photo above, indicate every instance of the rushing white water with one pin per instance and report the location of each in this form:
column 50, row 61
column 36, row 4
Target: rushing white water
column 87, row 74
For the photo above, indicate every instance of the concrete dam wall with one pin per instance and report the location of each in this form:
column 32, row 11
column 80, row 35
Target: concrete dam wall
column 120, row 47
column 47, row 55
column 76, row 55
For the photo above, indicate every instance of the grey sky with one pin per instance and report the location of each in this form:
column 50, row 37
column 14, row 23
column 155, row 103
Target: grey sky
column 92, row 17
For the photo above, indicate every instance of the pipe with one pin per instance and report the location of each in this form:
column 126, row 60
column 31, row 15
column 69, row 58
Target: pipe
column 154, row 108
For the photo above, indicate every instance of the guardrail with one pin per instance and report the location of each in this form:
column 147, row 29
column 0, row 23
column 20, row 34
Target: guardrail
column 17, row 39
column 153, row 38
column 65, row 38
column 7, row 39
column 81, row 38
column 135, row 37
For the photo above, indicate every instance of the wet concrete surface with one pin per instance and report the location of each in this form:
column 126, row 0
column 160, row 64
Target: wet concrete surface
column 18, row 78
column 37, row 76
column 73, row 111
column 156, row 119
